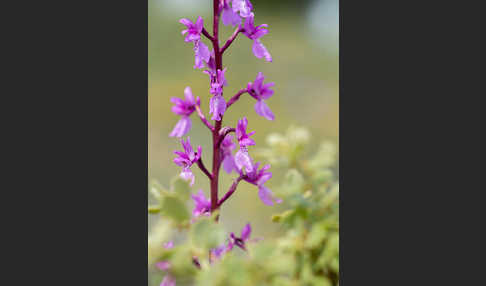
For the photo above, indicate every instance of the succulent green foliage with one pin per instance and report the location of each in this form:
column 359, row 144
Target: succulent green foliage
column 171, row 204
column 285, row 149
column 305, row 253
column 310, row 190
column 207, row 234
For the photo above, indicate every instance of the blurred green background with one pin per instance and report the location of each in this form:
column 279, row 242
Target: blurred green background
column 303, row 41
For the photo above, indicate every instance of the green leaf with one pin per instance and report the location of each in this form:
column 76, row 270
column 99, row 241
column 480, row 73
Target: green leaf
column 298, row 135
column 331, row 197
column 182, row 266
column 275, row 140
column 159, row 234
column 316, row 236
column 174, row 208
column 322, row 176
column 157, row 190
column 282, row 216
column 293, row 183
column 325, row 157
column 181, row 188
column 154, row 209
column 206, row 233
column 321, row 281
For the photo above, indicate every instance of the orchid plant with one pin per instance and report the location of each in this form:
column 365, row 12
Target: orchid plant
column 239, row 14
column 191, row 248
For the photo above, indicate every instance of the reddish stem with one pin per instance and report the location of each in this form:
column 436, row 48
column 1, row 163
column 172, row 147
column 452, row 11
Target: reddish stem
column 232, row 38
column 205, row 33
column 201, row 166
column 203, row 118
column 225, row 131
column 217, row 126
column 235, row 97
column 231, row 190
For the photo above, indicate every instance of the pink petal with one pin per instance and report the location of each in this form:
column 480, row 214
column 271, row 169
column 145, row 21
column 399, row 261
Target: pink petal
column 217, row 107
column 182, row 127
column 259, row 81
column 188, row 176
column 163, row 265
column 262, row 109
column 188, row 95
column 186, row 22
column 265, row 195
column 168, row 281
column 260, row 51
column 245, row 232
column 242, row 159
column 169, row 245
column 230, row 17
column 229, row 164
column 199, row 24
column 204, row 52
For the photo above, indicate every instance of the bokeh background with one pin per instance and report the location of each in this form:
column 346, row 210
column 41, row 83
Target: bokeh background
column 303, row 40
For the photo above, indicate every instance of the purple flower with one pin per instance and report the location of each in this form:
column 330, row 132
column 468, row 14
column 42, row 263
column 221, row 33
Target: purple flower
column 240, row 241
column 258, row 178
column 186, row 159
column 168, row 281
column 201, row 54
column 244, row 6
column 193, row 29
column 242, row 158
column 255, row 33
column 219, row 251
column 217, row 107
column 244, row 138
column 217, row 82
column 261, row 92
column 201, row 51
column 169, row 245
column 229, row 16
column 163, row 265
column 252, row 32
column 226, row 150
column 217, row 104
column 202, row 206
column 211, row 64
column 183, row 108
